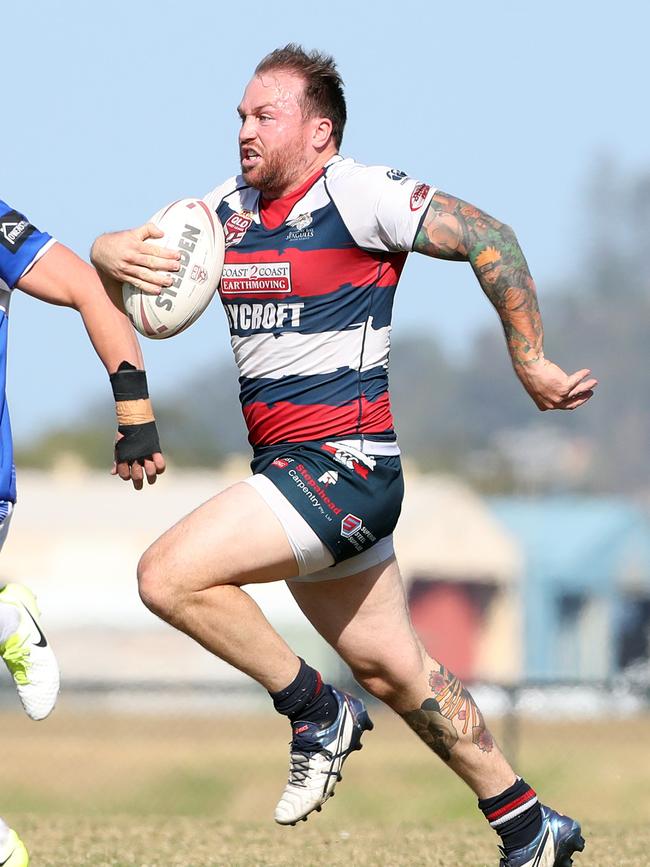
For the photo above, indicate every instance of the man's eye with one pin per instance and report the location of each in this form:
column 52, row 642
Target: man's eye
column 265, row 117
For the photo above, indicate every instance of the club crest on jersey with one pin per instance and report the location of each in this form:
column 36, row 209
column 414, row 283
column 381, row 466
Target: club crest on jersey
column 301, row 221
column 349, row 525
column 418, row 196
column 236, row 227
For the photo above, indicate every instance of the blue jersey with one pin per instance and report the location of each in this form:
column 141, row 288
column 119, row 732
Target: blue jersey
column 21, row 244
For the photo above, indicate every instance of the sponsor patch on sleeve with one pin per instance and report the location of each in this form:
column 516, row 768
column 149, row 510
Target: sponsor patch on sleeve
column 14, row 231
column 419, row 195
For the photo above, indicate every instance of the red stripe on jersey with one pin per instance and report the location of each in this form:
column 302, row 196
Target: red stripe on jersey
column 321, row 272
column 290, row 422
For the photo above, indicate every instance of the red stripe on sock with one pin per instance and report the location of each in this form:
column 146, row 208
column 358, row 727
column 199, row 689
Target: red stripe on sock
column 512, row 805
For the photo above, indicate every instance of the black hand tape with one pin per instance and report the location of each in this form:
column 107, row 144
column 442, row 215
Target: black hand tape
column 139, row 441
column 129, row 383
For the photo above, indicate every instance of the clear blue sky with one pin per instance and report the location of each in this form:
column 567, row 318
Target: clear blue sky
column 114, row 109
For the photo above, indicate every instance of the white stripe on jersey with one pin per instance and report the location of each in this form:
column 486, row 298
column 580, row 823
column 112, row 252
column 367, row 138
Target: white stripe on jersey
column 266, row 356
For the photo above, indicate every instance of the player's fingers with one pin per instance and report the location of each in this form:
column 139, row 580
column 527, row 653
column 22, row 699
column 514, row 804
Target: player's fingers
column 581, row 387
column 137, row 475
column 575, row 402
column 149, row 230
column 577, row 377
column 123, row 470
column 150, row 470
column 156, row 278
column 159, row 263
column 144, row 285
column 159, row 462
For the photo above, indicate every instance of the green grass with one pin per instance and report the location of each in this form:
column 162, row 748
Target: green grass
column 112, row 791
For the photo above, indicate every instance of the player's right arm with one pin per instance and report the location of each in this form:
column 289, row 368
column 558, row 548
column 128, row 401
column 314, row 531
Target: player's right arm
column 454, row 229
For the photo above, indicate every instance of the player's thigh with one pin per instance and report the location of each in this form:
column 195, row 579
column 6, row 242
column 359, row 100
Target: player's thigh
column 233, row 538
column 364, row 617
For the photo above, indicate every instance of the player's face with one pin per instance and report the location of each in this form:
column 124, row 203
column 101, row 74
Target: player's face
column 274, row 146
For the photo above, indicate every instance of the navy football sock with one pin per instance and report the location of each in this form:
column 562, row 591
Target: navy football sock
column 307, row 698
column 515, row 815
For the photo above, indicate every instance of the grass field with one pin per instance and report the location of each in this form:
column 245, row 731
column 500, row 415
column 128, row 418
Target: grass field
column 112, row 791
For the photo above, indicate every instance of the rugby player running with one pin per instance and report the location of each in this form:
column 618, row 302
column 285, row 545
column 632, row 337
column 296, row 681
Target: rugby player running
column 315, row 247
column 35, row 263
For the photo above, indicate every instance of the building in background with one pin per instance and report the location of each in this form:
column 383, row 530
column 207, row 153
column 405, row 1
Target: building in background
column 586, row 593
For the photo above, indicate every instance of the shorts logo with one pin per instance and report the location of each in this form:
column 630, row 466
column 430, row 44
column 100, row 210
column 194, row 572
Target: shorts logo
column 349, row 525
column 14, row 231
column 351, row 458
column 247, row 278
column 330, row 477
column 396, row 174
column 236, row 227
column 419, row 195
column 282, row 463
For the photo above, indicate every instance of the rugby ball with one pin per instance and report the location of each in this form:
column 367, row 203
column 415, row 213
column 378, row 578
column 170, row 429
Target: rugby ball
column 197, row 234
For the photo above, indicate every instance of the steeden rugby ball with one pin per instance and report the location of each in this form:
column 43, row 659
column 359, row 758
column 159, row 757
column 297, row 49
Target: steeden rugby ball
column 197, row 234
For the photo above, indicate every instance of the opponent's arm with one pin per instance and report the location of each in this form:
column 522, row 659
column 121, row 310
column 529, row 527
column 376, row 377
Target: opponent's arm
column 61, row 277
column 453, row 229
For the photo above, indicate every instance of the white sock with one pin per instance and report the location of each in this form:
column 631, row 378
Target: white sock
column 9, row 620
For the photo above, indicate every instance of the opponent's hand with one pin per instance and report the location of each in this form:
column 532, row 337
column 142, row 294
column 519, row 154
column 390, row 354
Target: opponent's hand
column 149, row 467
column 125, row 257
column 137, row 471
column 551, row 388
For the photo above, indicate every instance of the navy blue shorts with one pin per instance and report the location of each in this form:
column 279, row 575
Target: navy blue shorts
column 350, row 499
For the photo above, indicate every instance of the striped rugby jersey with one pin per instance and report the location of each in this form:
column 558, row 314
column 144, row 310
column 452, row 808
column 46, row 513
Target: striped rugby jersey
column 308, row 296
column 21, row 245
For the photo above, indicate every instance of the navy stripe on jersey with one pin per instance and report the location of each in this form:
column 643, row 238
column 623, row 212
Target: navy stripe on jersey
column 340, row 387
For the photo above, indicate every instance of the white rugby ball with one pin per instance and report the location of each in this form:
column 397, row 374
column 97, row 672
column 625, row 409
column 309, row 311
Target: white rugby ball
column 197, row 234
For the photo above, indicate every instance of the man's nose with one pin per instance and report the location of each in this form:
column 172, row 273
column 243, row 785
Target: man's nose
column 247, row 130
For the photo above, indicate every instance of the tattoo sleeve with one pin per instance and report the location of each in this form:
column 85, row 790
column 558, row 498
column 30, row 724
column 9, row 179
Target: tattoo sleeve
column 450, row 714
column 453, row 229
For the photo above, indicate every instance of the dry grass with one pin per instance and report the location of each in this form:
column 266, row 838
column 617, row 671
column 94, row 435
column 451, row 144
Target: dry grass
column 111, row 791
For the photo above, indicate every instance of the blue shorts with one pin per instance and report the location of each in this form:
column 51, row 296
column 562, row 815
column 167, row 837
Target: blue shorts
column 348, row 491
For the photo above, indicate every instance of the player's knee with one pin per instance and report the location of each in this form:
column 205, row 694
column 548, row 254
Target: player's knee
column 388, row 678
column 154, row 590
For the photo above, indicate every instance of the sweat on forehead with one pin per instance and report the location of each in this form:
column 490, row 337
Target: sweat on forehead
column 278, row 87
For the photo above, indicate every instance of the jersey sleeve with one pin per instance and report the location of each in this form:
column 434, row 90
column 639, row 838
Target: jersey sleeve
column 21, row 245
column 214, row 198
column 381, row 207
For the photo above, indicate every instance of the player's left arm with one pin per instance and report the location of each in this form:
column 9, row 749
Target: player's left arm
column 60, row 277
column 453, row 229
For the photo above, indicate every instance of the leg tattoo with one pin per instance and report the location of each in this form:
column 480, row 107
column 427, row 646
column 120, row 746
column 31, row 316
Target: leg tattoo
column 442, row 720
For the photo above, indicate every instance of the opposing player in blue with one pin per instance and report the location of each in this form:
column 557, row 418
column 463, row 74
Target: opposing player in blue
column 35, row 263
column 316, row 244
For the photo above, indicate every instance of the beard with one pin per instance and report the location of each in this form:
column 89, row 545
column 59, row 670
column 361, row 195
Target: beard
column 278, row 170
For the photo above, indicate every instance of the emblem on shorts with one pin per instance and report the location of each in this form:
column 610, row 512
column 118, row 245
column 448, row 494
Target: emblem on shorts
column 349, row 525
column 351, row 458
column 282, row 463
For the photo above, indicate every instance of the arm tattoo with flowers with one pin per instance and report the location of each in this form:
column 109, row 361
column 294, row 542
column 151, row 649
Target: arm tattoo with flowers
column 449, row 715
column 453, row 229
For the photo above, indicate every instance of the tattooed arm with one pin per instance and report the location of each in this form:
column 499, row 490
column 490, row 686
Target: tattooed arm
column 453, row 229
